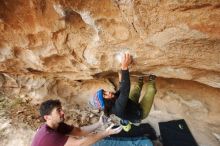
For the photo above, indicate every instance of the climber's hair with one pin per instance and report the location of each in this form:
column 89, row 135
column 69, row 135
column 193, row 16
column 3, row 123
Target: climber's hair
column 47, row 106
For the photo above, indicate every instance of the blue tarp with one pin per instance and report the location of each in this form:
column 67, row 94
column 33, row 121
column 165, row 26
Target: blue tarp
column 124, row 141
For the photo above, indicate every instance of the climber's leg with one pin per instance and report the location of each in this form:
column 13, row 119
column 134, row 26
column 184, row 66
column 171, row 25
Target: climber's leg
column 136, row 91
column 147, row 101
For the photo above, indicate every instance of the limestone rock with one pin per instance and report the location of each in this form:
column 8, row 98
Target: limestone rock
column 172, row 39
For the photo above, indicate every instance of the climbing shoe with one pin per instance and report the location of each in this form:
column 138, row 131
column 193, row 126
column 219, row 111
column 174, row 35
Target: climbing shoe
column 152, row 78
column 140, row 79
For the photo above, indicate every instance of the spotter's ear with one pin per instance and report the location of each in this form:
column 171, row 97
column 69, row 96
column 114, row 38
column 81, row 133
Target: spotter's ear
column 47, row 117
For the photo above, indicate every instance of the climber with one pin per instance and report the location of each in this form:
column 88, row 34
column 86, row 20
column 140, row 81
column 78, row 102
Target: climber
column 124, row 105
column 57, row 133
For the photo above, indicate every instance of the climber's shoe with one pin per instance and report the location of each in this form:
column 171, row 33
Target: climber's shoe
column 152, row 77
column 141, row 79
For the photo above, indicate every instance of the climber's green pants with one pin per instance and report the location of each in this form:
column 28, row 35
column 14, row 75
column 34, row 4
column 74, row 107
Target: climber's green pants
column 148, row 98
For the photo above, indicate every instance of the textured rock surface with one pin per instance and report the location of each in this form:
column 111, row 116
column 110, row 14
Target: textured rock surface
column 58, row 48
column 78, row 39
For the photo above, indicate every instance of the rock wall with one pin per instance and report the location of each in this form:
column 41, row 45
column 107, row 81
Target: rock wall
column 79, row 39
column 69, row 48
